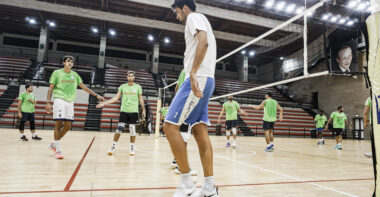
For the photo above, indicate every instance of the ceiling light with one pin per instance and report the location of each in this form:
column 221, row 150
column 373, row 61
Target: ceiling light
column 269, row 3
column 299, row 10
column 51, row 24
column 325, row 17
column 250, row 1
column 342, row 20
column 281, row 58
column 150, row 37
column 362, row 6
column 112, row 32
column 350, row 22
column 280, row 5
column 352, row 3
column 31, row 21
column 251, row 53
column 333, row 19
column 243, row 52
column 310, row 13
column 166, row 40
column 94, row 30
column 290, row 8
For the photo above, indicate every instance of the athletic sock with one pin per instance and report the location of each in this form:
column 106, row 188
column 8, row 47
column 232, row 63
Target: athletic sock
column 22, row 134
column 208, row 185
column 187, row 180
column 57, row 145
column 132, row 144
column 114, row 143
column 34, row 134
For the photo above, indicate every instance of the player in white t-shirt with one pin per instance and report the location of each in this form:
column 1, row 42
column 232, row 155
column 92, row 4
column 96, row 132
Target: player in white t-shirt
column 190, row 104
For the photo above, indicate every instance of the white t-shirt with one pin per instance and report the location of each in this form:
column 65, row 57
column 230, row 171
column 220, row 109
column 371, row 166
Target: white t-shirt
column 194, row 22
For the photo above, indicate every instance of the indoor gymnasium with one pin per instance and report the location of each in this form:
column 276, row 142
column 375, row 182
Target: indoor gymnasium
column 189, row 98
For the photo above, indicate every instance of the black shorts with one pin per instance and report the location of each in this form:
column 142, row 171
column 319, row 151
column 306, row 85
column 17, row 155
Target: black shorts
column 129, row 118
column 27, row 117
column 184, row 128
column 338, row 131
column 268, row 125
column 230, row 124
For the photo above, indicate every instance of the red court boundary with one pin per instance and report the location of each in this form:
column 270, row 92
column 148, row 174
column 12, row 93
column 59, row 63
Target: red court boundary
column 167, row 188
column 68, row 186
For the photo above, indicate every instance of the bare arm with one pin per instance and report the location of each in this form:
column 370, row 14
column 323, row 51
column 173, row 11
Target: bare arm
column 220, row 115
column 327, row 124
column 200, row 53
column 365, row 116
column 48, row 99
column 113, row 100
column 281, row 111
column 176, row 89
column 88, row 90
column 261, row 106
column 142, row 105
column 19, row 108
column 348, row 123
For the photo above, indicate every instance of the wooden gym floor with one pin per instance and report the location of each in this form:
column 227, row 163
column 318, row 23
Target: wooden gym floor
column 297, row 167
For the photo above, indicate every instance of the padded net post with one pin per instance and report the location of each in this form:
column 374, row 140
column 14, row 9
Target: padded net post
column 158, row 114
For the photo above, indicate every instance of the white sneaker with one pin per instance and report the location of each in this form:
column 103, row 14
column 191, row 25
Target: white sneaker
column 111, row 150
column 192, row 172
column 176, row 170
column 233, row 144
column 215, row 193
column 182, row 191
column 174, row 164
column 132, row 151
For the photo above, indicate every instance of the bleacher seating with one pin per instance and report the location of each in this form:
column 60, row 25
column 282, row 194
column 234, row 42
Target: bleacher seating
column 116, row 76
column 13, row 67
column 2, row 91
column 42, row 117
column 83, row 70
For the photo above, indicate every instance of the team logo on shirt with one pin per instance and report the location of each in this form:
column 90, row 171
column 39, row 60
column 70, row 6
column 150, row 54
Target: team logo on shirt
column 72, row 77
column 134, row 90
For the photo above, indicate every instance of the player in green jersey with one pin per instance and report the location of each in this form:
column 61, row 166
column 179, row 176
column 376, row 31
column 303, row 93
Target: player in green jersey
column 340, row 119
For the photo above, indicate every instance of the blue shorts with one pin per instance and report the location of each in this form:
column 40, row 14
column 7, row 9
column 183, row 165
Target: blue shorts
column 188, row 109
column 319, row 129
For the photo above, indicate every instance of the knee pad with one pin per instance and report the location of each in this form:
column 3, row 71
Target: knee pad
column 32, row 125
column 132, row 129
column 234, row 131
column 228, row 132
column 120, row 127
column 22, row 124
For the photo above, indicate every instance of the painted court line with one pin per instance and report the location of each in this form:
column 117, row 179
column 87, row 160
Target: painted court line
column 284, row 175
column 68, row 186
column 169, row 188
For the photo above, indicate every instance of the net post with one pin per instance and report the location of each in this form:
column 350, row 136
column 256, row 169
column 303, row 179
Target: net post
column 158, row 114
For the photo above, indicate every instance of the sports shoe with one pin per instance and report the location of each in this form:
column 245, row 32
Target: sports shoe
column 339, row 147
column 132, row 151
column 111, row 150
column 174, row 164
column 52, row 147
column 214, row 194
column 319, row 143
column 269, row 149
column 58, row 155
column 182, row 191
column 36, row 138
column 323, row 142
column 228, row 144
column 23, row 138
column 233, row 144
column 336, row 147
column 368, row 154
column 176, row 170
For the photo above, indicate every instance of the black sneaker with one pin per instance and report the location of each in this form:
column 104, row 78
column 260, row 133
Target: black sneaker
column 36, row 138
column 23, row 138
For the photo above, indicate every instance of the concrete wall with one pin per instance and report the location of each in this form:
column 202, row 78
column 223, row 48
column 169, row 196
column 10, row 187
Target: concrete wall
column 41, row 94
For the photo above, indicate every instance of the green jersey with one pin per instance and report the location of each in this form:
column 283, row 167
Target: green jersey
column 270, row 110
column 26, row 105
column 339, row 120
column 164, row 111
column 369, row 104
column 181, row 78
column 231, row 110
column 130, row 97
column 320, row 121
column 65, row 84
